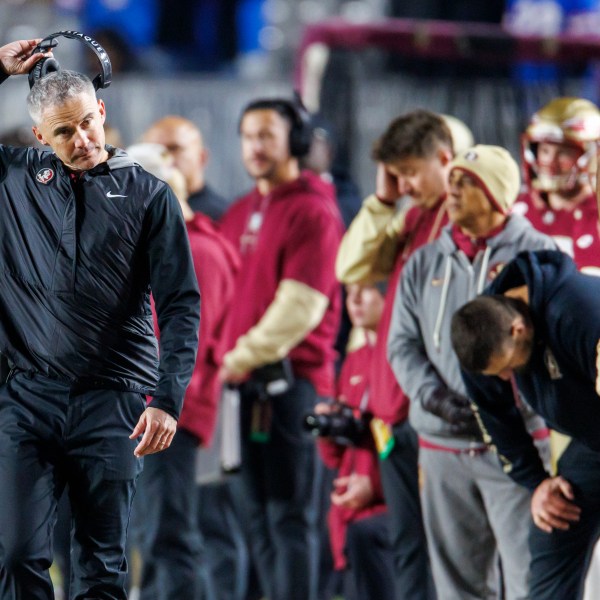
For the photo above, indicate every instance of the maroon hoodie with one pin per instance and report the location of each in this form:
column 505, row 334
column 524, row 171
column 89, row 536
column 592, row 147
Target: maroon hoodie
column 291, row 233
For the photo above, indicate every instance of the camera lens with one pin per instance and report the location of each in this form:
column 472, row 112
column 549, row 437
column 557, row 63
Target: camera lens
column 316, row 424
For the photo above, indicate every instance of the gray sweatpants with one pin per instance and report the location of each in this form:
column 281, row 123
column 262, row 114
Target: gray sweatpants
column 474, row 512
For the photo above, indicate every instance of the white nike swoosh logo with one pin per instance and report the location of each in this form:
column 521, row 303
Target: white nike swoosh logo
column 111, row 195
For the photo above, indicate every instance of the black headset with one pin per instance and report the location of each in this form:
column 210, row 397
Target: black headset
column 50, row 65
column 301, row 132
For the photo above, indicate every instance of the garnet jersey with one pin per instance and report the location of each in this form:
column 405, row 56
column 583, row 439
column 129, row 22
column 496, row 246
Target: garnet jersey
column 575, row 232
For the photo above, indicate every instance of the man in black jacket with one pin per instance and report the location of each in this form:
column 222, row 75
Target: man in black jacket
column 538, row 330
column 86, row 235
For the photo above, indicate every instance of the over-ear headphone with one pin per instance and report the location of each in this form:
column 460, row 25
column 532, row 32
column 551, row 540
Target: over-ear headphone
column 301, row 131
column 302, row 128
column 51, row 65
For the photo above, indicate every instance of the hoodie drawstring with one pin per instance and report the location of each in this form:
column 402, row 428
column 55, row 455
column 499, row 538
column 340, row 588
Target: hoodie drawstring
column 443, row 300
column 484, row 267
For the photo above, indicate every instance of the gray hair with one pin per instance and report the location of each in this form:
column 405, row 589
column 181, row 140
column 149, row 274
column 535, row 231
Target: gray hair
column 54, row 89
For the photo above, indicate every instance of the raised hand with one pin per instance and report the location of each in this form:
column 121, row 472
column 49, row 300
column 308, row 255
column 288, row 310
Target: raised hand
column 386, row 188
column 16, row 57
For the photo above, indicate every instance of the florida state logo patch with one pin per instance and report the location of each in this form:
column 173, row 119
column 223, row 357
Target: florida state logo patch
column 45, row 176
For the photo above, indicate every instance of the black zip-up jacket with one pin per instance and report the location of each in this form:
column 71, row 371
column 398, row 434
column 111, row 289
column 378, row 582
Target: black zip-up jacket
column 78, row 264
column 562, row 380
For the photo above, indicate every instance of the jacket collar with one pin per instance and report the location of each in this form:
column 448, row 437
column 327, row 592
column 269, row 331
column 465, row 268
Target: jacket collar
column 117, row 159
column 515, row 225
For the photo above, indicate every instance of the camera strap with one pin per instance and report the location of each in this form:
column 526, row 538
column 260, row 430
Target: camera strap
column 383, row 437
column 382, row 433
column 260, row 420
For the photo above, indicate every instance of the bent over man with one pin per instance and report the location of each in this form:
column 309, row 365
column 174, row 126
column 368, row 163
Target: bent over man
column 86, row 235
column 539, row 329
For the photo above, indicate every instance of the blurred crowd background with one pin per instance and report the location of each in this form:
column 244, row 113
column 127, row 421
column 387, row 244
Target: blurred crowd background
column 204, row 59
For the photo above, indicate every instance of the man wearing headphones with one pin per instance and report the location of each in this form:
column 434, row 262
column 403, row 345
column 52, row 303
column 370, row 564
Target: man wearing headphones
column 86, row 234
column 286, row 313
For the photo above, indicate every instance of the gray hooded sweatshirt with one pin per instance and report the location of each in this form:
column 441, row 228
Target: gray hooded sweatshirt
column 436, row 281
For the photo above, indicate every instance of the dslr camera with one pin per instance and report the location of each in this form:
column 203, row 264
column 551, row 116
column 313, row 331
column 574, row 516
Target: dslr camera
column 345, row 425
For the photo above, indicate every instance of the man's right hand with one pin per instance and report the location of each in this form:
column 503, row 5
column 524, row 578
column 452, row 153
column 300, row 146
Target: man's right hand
column 158, row 428
column 551, row 506
column 386, row 186
column 16, row 57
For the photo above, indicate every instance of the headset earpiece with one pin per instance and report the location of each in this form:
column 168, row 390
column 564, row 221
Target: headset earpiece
column 301, row 131
column 302, row 128
column 48, row 65
column 43, row 68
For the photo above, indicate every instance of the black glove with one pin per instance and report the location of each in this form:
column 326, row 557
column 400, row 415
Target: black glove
column 454, row 409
